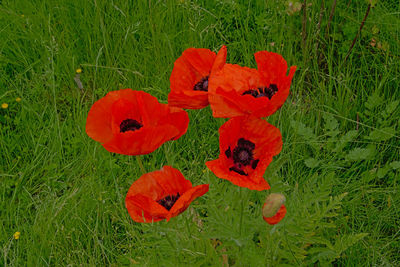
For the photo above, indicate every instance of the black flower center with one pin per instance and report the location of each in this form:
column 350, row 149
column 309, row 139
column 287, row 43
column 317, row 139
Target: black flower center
column 168, row 201
column 202, row 85
column 263, row 91
column 242, row 156
column 129, row 125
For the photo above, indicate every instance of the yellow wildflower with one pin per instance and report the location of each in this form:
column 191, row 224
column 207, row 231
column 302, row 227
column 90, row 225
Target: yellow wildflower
column 16, row 235
column 4, row 105
column 18, row 99
column 78, row 70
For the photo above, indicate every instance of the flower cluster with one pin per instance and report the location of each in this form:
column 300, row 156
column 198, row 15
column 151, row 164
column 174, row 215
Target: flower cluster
column 134, row 123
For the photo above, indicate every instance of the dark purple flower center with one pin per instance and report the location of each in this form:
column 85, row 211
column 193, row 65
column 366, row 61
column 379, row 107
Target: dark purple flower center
column 263, row 91
column 168, row 201
column 129, row 125
column 242, row 156
column 202, row 85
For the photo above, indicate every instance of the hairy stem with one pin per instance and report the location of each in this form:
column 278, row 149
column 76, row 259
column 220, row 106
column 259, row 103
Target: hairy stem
column 330, row 19
column 321, row 15
column 304, row 22
column 358, row 33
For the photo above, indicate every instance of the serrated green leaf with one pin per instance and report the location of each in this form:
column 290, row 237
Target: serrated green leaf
column 391, row 107
column 348, row 137
column 324, row 254
column 359, row 154
column 311, row 163
column 373, row 101
column 383, row 171
column 395, row 165
column 303, row 130
column 347, row 241
column 330, row 122
column 369, row 175
column 381, row 134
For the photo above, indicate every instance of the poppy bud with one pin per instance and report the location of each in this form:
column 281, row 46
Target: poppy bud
column 272, row 204
column 274, row 209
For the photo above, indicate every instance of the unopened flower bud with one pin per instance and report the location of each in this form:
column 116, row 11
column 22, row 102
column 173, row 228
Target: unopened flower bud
column 272, row 204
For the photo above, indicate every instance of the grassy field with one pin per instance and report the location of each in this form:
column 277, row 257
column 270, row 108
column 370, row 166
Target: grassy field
column 339, row 167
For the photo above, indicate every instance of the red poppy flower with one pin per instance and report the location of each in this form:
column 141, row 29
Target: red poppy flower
column 274, row 209
column 189, row 77
column 236, row 91
column 134, row 122
column 161, row 195
column 247, row 145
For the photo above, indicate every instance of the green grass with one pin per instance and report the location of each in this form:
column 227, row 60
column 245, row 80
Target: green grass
column 339, row 167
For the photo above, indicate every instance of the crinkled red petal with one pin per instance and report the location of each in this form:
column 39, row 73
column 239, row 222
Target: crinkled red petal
column 159, row 122
column 144, row 209
column 142, row 141
column 255, row 181
column 98, row 122
column 184, row 201
column 141, row 199
column 189, row 69
column 226, row 87
column 268, row 143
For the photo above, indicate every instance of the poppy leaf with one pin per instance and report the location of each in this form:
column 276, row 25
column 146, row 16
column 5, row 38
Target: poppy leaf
column 383, row 134
column 312, row 163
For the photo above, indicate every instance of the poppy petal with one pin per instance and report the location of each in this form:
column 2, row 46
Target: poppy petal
column 229, row 104
column 267, row 137
column 196, row 100
column 98, row 125
column 263, row 141
column 144, row 209
column 149, row 106
column 271, row 65
column 180, row 118
column 222, row 171
column 134, row 122
column 184, row 201
column 226, row 88
column 157, row 184
column 150, row 138
column 190, row 77
column 219, row 60
column 236, row 91
column 171, row 181
column 200, row 59
column 161, row 195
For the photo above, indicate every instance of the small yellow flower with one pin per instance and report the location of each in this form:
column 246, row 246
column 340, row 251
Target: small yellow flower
column 16, row 235
column 78, row 70
column 22, row 15
column 4, row 105
column 18, row 99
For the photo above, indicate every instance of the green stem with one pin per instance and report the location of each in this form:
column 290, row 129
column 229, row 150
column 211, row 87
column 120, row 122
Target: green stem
column 140, row 163
column 241, row 211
